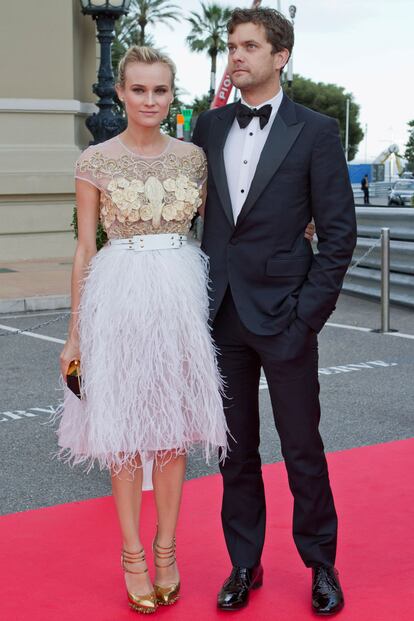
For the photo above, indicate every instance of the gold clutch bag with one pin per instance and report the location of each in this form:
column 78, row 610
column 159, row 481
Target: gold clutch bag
column 74, row 378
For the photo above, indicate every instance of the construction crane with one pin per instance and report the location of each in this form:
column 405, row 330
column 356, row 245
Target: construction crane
column 390, row 151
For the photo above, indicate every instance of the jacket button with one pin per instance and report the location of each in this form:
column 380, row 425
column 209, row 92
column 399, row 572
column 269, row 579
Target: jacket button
column 234, row 242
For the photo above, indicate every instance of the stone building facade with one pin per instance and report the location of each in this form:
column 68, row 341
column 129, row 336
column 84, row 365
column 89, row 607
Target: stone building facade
column 49, row 60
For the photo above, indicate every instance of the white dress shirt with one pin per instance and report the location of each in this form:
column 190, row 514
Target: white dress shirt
column 242, row 152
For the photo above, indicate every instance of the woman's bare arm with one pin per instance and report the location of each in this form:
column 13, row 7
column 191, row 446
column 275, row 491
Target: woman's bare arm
column 87, row 201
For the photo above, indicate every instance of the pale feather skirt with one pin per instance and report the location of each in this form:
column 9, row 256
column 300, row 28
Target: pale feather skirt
column 149, row 369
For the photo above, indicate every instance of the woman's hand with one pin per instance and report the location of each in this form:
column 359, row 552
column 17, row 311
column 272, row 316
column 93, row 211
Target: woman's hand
column 69, row 352
column 310, row 231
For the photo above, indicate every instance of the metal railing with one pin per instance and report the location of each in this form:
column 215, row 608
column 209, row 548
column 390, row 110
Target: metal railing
column 364, row 275
column 400, row 220
column 385, row 280
column 376, row 190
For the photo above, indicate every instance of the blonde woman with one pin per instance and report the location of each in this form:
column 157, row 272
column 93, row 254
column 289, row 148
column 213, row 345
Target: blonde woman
column 151, row 389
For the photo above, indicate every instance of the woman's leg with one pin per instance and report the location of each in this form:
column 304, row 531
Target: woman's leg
column 168, row 483
column 126, row 490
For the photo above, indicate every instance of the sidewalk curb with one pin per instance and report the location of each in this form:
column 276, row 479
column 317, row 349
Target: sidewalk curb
column 36, row 303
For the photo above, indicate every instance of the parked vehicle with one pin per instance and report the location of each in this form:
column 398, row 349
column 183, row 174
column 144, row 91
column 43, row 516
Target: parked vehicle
column 402, row 193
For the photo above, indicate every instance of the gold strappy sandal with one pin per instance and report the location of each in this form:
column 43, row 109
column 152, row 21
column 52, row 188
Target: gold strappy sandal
column 145, row 604
column 166, row 595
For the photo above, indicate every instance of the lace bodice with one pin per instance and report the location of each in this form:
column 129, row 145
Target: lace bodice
column 141, row 195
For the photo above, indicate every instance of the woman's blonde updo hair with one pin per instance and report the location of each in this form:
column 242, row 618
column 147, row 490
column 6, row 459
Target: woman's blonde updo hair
column 147, row 55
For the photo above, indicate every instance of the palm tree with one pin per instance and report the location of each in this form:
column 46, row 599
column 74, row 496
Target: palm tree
column 131, row 29
column 147, row 13
column 208, row 30
column 127, row 33
column 200, row 104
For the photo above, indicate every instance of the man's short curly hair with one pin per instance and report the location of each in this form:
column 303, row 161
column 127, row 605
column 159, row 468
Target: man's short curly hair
column 278, row 29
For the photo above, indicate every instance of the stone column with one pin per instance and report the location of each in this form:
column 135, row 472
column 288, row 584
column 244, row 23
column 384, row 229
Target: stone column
column 49, row 60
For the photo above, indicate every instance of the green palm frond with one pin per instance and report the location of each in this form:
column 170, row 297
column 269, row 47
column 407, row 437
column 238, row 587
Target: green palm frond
column 149, row 12
column 209, row 33
column 209, row 29
column 131, row 29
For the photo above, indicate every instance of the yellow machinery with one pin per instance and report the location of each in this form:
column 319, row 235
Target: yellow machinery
column 390, row 151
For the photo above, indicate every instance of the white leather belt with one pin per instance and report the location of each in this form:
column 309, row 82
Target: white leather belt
column 162, row 241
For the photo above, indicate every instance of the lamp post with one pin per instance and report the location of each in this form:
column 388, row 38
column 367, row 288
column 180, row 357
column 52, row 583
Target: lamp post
column 347, row 129
column 105, row 124
column 292, row 13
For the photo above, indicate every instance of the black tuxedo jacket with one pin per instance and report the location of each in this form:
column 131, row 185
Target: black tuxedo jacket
column 270, row 267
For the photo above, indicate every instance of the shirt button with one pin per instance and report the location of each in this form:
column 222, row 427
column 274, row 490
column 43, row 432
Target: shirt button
column 250, row 133
column 242, row 191
column 245, row 162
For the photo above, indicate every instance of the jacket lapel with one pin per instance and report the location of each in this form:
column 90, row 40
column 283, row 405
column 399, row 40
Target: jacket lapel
column 283, row 133
column 220, row 127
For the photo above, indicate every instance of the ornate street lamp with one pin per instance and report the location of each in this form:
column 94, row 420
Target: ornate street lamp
column 105, row 124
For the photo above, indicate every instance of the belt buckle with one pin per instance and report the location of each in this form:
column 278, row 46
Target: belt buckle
column 137, row 243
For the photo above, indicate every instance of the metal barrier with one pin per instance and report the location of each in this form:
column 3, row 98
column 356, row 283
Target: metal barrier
column 402, row 258
column 376, row 190
column 364, row 275
column 400, row 220
column 385, row 280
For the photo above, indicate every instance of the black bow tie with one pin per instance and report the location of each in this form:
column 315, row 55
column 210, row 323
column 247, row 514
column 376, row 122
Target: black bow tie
column 245, row 114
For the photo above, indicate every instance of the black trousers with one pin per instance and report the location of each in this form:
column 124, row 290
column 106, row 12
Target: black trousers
column 366, row 196
column 290, row 363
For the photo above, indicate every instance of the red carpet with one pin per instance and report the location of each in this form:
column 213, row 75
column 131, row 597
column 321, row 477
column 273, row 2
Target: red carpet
column 62, row 563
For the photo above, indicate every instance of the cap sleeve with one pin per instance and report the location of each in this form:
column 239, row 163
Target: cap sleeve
column 200, row 161
column 201, row 166
column 86, row 168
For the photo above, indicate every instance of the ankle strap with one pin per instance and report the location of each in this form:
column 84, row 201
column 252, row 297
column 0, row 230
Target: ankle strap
column 131, row 558
column 164, row 553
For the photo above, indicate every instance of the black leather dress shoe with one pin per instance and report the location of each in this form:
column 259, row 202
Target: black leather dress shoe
column 234, row 593
column 327, row 596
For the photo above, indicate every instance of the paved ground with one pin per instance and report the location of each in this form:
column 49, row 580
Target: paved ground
column 35, row 278
column 374, row 201
column 364, row 404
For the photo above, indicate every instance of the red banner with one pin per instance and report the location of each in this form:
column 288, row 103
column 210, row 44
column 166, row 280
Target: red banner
column 223, row 92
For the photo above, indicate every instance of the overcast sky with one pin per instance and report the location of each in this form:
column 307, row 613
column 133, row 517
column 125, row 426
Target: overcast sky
column 366, row 46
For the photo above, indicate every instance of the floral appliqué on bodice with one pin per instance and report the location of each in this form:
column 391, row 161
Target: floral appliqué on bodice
column 145, row 195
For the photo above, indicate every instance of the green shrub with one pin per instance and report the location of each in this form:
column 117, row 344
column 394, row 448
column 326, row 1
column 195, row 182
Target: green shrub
column 101, row 237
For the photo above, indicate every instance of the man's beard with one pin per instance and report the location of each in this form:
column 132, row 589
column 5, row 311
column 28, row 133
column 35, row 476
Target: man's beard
column 241, row 83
